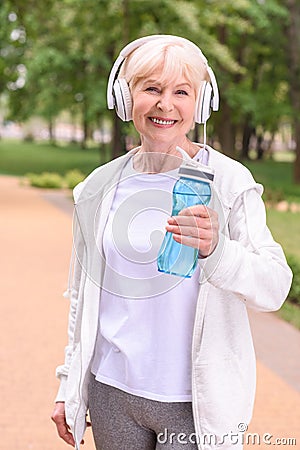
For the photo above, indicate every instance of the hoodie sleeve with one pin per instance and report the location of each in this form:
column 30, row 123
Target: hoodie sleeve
column 248, row 262
column 73, row 293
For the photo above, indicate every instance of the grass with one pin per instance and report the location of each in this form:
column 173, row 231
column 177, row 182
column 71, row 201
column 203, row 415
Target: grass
column 276, row 176
column 285, row 227
column 290, row 313
column 19, row 158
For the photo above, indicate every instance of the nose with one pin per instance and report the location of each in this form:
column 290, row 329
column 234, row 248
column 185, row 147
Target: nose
column 165, row 102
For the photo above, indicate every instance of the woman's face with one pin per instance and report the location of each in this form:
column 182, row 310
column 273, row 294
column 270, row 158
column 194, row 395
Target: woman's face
column 163, row 113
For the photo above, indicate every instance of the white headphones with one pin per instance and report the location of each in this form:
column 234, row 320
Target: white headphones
column 119, row 96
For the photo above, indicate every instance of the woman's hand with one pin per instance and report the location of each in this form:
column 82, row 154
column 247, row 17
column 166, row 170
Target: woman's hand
column 196, row 226
column 59, row 418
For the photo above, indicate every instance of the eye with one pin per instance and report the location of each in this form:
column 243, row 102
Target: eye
column 182, row 92
column 152, row 89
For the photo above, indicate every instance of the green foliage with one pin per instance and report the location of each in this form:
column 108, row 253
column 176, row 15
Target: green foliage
column 12, row 39
column 290, row 310
column 46, row 180
column 273, row 196
column 285, row 228
column 290, row 313
column 277, row 178
column 294, row 294
column 52, row 180
column 70, row 46
column 73, row 177
column 66, row 48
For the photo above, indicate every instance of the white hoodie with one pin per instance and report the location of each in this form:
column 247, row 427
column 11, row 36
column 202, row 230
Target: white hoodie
column 247, row 269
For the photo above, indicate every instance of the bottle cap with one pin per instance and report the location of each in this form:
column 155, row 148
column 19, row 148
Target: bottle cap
column 196, row 171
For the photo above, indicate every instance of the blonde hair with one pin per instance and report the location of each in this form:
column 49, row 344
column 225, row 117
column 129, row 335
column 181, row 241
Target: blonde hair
column 176, row 57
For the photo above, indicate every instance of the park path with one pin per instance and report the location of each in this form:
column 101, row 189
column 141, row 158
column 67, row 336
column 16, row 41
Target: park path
column 35, row 233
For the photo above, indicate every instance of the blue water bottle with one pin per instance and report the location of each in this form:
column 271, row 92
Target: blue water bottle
column 192, row 188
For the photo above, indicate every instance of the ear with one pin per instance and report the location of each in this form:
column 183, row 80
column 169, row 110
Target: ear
column 203, row 102
column 123, row 100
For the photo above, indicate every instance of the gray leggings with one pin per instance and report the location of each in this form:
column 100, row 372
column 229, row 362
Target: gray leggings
column 121, row 421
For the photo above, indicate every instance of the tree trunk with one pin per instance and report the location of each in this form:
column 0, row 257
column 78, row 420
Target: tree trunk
column 247, row 133
column 260, row 147
column 51, row 131
column 196, row 134
column 118, row 141
column 297, row 160
column 85, row 126
column 85, row 133
column 293, row 50
column 226, row 130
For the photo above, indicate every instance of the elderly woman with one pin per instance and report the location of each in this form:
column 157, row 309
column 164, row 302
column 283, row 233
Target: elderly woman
column 161, row 361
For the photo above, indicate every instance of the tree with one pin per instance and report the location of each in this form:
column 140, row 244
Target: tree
column 12, row 42
column 67, row 69
column 70, row 45
column 293, row 51
column 184, row 18
column 63, row 66
column 30, row 97
column 247, row 93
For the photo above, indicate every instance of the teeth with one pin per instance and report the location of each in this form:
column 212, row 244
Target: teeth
column 162, row 122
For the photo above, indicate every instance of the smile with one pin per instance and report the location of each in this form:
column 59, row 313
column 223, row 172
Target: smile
column 161, row 121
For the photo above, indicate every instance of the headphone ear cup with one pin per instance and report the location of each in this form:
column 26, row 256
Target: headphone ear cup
column 203, row 103
column 122, row 98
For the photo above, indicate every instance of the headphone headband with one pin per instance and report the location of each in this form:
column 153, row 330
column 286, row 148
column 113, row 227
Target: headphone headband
column 129, row 48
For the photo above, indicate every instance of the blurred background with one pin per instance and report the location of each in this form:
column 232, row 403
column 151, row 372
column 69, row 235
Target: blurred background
column 55, row 57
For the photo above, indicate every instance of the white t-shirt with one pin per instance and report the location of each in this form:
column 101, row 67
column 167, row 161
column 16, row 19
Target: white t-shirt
column 146, row 317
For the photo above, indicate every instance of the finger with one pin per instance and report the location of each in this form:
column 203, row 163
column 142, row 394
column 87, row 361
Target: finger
column 192, row 231
column 63, row 429
column 186, row 240
column 66, row 435
column 196, row 210
column 205, row 247
column 192, row 221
